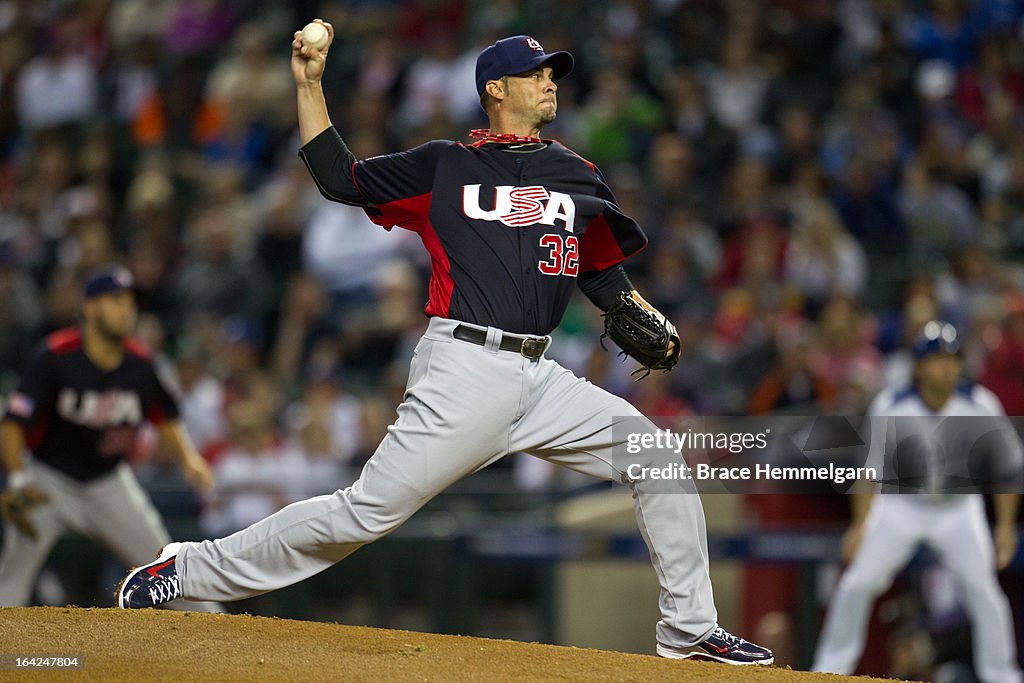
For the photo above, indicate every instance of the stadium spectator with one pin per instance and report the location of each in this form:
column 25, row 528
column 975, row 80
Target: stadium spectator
column 202, row 399
column 326, row 424
column 59, row 87
column 822, row 259
column 256, row 473
column 20, row 310
column 797, row 381
column 737, row 85
column 1003, row 373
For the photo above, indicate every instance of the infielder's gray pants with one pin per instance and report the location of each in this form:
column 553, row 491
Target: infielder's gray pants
column 112, row 509
column 465, row 406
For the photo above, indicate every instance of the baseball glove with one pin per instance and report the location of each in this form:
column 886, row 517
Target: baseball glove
column 643, row 335
column 17, row 505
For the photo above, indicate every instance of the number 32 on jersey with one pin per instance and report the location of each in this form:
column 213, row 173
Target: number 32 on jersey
column 563, row 256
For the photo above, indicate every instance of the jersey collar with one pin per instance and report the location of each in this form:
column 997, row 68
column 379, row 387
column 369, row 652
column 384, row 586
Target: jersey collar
column 484, row 136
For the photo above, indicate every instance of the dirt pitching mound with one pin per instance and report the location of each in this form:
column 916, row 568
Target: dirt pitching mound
column 159, row 645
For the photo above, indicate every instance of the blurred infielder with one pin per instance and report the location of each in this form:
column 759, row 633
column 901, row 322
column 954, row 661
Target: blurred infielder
column 888, row 528
column 78, row 408
column 512, row 223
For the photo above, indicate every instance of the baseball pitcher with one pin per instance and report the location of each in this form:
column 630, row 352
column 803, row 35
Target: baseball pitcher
column 513, row 222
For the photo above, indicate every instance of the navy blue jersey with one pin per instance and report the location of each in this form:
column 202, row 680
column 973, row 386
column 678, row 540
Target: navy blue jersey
column 83, row 420
column 508, row 227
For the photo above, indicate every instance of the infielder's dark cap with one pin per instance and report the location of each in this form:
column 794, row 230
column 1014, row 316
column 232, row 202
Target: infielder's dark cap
column 108, row 280
column 516, row 54
column 937, row 336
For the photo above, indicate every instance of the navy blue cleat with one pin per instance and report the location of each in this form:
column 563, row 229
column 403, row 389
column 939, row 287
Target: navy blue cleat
column 721, row 646
column 151, row 584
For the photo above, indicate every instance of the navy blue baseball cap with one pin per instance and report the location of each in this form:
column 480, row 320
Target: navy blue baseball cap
column 516, row 54
column 937, row 336
column 108, row 280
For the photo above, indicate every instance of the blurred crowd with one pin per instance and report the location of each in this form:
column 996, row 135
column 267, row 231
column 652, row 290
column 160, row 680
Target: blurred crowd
column 817, row 179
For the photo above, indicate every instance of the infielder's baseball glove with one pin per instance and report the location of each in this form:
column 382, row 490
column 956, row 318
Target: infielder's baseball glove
column 641, row 334
column 17, row 505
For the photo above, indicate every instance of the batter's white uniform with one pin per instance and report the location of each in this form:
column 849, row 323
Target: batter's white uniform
column 953, row 527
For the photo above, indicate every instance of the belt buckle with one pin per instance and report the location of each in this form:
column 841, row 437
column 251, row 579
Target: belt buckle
column 533, row 348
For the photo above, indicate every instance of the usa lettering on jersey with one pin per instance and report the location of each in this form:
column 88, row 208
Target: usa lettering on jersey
column 520, row 207
column 97, row 410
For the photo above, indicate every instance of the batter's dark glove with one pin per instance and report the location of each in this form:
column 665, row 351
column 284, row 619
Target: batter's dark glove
column 17, row 504
column 642, row 335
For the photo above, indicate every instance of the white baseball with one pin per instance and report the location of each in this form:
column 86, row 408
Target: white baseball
column 314, row 35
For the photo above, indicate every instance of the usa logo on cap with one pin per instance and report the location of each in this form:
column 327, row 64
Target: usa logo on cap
column 107, row 280
column 515, row 55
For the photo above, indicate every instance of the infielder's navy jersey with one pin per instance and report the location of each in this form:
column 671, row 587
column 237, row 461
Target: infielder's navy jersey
column 508, row 228
column 80, row 419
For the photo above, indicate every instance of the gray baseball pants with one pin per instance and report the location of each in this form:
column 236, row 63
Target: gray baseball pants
column 465, row 407
column 112, row 509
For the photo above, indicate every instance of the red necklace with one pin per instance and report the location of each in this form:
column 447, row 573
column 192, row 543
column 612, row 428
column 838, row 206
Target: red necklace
column 484, row 135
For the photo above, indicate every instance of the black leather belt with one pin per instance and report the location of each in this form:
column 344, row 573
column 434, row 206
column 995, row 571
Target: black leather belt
column 530, row 347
